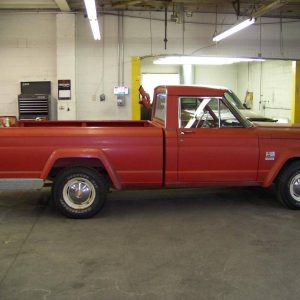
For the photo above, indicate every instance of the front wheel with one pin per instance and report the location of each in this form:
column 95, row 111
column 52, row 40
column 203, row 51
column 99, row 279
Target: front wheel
column 79, row 192
column 288, row 186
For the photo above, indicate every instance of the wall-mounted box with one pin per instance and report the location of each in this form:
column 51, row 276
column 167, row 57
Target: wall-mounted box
column 64, row 89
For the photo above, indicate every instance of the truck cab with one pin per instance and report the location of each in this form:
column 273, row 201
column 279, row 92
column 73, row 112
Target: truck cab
column 209, row 142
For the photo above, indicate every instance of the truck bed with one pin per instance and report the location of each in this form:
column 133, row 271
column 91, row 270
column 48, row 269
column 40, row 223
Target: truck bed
column 84, row 124
column 133, row 149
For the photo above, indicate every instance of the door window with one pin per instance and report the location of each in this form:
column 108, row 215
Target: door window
column 205, row 112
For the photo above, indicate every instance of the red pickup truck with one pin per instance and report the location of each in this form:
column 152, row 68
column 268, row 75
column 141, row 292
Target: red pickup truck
column 196, row 138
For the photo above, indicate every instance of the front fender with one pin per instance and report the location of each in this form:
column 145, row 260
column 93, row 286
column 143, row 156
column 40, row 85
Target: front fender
column 82, row 153
column 280, row 163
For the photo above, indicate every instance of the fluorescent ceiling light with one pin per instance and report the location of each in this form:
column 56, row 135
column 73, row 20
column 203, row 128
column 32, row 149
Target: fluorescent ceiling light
column 90, row 6
column 234, row 29
column 194, row 60
column 95, row 29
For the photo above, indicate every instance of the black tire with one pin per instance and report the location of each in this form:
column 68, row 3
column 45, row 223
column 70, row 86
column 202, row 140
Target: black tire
column 79, row 192
column 288, row 186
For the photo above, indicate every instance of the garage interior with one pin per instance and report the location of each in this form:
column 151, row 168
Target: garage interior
column 209, row 243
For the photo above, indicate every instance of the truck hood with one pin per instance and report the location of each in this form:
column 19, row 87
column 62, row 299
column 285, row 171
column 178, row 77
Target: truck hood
column 255, row 117
column 278, row 130
column 276, row 125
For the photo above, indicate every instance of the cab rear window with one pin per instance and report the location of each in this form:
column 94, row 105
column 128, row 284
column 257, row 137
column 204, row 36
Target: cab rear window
column 160, row 107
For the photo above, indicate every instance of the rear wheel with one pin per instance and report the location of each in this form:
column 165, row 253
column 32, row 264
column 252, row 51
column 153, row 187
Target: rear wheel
column 79, row 192
column 288, row 186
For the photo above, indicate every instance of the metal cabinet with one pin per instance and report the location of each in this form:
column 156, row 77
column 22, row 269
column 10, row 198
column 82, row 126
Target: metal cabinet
column 33, row 106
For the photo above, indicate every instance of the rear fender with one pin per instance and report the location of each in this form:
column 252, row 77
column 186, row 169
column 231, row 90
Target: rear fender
column 82, row 153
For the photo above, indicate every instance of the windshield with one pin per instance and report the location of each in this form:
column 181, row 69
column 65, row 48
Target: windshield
column 234, row 100
column 237, row 111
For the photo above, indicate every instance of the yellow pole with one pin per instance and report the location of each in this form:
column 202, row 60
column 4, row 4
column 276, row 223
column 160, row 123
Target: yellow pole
column 296, row 92
column 135, row 84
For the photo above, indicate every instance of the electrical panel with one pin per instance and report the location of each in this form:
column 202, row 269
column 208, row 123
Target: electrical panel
column 121, row 91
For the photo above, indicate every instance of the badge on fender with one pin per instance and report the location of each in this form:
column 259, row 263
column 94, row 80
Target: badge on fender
column 270, row 155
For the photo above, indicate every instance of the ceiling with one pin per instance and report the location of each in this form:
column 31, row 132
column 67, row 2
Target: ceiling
column 284, row 9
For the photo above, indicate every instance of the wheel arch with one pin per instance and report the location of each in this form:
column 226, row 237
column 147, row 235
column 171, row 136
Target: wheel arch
column 282, row 163
column 86, row 157
column 289, row 162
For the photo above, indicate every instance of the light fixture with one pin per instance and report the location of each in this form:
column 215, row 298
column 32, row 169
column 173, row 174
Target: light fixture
column 234, row 29
column 95, row 29
column 90, row 6
column 202, row 60
column 260, row 12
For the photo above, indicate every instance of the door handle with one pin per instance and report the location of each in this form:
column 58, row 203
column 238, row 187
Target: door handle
column 187, row 132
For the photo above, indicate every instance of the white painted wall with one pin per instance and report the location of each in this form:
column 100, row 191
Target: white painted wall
column 28, row 52
column 65, row 61
column 277, row 89
column 224, row 75
column 271, row 84
column 97, row 71
column 147, row 66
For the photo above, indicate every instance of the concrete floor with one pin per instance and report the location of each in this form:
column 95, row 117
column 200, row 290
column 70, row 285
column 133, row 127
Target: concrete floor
column 179, row 244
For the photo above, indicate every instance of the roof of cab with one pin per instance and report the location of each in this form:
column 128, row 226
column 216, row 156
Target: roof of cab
column 192, row 90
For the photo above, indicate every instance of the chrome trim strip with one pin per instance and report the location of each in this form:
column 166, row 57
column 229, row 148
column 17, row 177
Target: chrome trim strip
column 21, row 184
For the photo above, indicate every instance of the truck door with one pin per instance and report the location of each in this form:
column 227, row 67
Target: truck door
column 215, row 144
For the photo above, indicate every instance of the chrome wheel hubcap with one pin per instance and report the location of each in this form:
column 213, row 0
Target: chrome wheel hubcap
column 295, row 187
column 79, row 193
